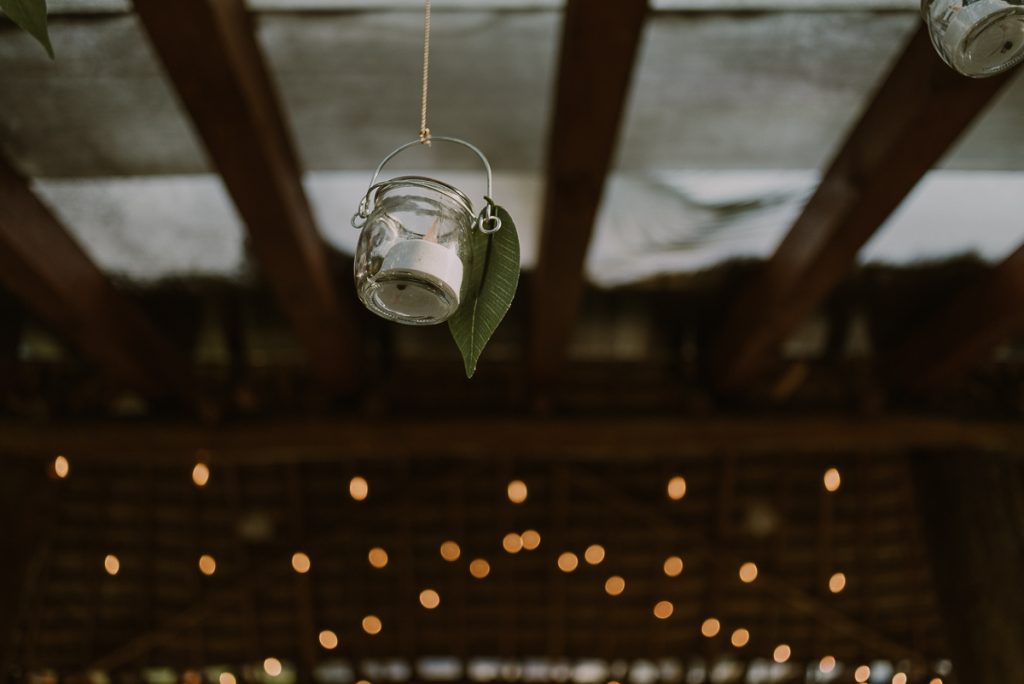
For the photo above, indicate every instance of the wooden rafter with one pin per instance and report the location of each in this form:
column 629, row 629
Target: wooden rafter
column 210, row 52
column 44, row 266
column 628, row 439
column 916, row 115
column 599, row 46
column 943, row 348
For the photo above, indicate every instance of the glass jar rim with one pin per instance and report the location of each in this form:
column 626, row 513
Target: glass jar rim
column 449, row 191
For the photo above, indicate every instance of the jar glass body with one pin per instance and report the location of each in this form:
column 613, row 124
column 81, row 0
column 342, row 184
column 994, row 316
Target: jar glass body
column 414, row 252
column 977, row 38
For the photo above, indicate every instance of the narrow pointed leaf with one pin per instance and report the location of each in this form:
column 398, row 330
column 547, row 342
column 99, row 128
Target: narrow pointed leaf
column 494, row 277
column 30, row 15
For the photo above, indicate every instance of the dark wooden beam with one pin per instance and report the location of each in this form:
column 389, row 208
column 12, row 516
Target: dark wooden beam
column 601, row 438
column 43, row 266
column 210, row 52
column 942, row 349
column 599, row 46
column 916, row 115
column 972, row 515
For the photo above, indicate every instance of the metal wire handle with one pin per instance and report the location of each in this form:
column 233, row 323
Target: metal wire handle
column 486, row 221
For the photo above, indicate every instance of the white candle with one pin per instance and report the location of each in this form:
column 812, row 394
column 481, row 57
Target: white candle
column 422, row 260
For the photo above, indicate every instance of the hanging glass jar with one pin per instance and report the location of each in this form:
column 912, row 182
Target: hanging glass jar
column 978, row 38
column 414, row 256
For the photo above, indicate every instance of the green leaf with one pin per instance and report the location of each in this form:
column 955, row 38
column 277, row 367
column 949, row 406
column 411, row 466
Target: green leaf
column 494, row 277
column 30, row 15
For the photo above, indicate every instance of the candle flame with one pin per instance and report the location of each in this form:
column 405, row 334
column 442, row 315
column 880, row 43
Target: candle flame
column 431, row 235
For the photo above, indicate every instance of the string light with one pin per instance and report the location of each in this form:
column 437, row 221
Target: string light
column 378, row 557
column 832, row 479
column 512, row 543
column 614, row 585
column 837, row 582
column 429, row 599
column 479, row 568
column 531, row 539
column 782, row 653
column 272, row 666
column 61, row 467
column 936, row 680
column 862, row 674
column 748, row 572
column 358, row 488
column 740, row 638
column 567, row 562
column 450, row 551
column 676, row 488
column 663, row 610
column 200, row 474
column 827, row 664
column 300, row 562
column 372, row 624
column 710, row 627
column 517, row 491
column 207, row 564
column 899, row 678
column 227, row 678
column 111, row 564
column 673, row 566
column 328, row 639
column 594, row 554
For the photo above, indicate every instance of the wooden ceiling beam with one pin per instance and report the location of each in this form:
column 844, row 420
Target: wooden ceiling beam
column 599, row 46
column 603, row 438
column 943, row 348
column 912, row 120
column 47, row 269
column 210, row 52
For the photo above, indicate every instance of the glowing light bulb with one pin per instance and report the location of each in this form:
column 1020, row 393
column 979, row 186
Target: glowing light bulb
column 827, row 664
column 479, row 568
column 429, row 599
column 614, row 585
column 328, row 639
column 207, row 564
column 676, row 488
column 832, row 479
column 61, row 467
column 710, row 627
column 378, row 557
column 594, row 554
column 782, row 653
column 530, row 539
column 862, row 674
column 111, row 564
column 748, row 572
column 740, row 638
column 450, row 551
column 512, row 543
column 517, row 491
column 837, row 582
column 673, row 566
column 300, row 562
column 272, row 666
column 663, row 610
column 358, row 488
column 372, row 624
column 567, row 562
column 200, row 474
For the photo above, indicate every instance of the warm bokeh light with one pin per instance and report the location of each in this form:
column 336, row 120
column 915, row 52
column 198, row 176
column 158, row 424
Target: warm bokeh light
column 512, row 543
column 207, row 564
column 862, row 674
column 272, row 666
column 358, row 488
column 227, row 678
column 832, row 479
column 450, row 551
column 378, row 557
column 300, row 562
column 614, row 585
column 673, row 566
column 479, row 568
column 200, row 474
column 372, row 624
column 740, row 638
column 676, row 488
column 191, row 677
column 827, row 664
column 710, row 627
column 837, row 582
column 594, row 554
column 567, row 562
column 328, row 639
column 748, row 572
column 111, row 564
column 935, row 681
column 782, row 653
column 517, row 491
column 663, row 610
column 61, row 467
column 531, row 539
column 429, row 599
column 899, row 678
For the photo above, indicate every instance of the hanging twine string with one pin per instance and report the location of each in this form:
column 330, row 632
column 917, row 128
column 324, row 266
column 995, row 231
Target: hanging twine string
column 424, row 131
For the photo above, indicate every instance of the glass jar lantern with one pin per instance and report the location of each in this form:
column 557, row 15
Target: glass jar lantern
column 977, row 38
column 414, row 256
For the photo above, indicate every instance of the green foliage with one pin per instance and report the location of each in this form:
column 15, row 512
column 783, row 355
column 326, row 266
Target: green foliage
column 30, row 15
column 494, row 277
